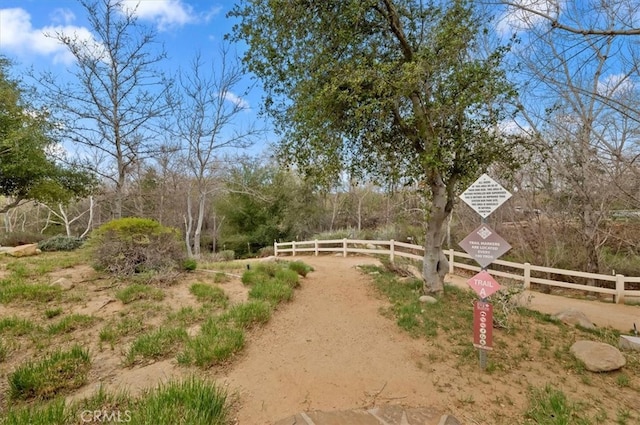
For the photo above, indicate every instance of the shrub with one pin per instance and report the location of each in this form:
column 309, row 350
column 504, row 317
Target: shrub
column 266, row 251
column 60, row 243
column 20, row 238
column 227, row 255
column 134, row 245
column 189, row 265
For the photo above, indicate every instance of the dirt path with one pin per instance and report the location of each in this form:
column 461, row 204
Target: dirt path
column 330, row 349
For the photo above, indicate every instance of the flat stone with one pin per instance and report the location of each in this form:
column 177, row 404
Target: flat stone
column 427, row 299
column 64, row 283
column 24, row 250
column 575, row 317
column 628, row 342
column 598, row 356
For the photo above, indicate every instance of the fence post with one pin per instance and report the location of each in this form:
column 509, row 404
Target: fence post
column 293, row 248
column 392, row 250
column 344, row 247
column 619, row 289
column 527, row 275
column 452, row 258
column 275, row 248
column 316, row 246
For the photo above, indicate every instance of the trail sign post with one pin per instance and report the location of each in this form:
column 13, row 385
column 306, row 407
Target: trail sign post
column 485, row 195
column 482, row 325
column 485, row 246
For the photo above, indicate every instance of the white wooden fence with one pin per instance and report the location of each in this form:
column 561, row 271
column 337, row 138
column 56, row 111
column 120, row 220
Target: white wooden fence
column 517, row 271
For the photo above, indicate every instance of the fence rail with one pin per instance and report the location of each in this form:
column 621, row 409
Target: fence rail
column 526, row 273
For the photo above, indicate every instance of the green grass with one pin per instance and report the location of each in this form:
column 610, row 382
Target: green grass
column 209, row 294
column 247, row 315
column 187, row 316
column 156, row 345
column 114, row 331
column 299, row 267
column 272, row 291
column 71, row 323
column 288, row 276
column 45, row 379
column 12, row 290
column 50, row 313
column 16, row 326
column 549, row 406
column 137, row 292
column 4, row 351
column 191, row 401
column 215, row 344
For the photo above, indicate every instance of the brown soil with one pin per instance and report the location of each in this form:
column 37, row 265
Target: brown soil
column 333, row 349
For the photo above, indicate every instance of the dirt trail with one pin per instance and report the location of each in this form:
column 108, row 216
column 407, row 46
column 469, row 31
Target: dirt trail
column 330, row 349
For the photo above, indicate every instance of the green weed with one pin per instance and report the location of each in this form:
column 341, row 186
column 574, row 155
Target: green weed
column 71, row 323
column 156, row 345
column 137, row 292
column 209, row 294
column 59, row 372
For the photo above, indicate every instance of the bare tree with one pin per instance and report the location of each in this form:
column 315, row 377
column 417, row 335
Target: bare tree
column 207, row 121
column 582, row 75
column 109, row 109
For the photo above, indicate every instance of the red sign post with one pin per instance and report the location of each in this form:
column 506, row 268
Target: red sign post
column 482, row 325
column 484, row 284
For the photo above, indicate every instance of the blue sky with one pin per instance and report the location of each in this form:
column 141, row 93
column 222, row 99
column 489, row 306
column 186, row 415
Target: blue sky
column 183, row 26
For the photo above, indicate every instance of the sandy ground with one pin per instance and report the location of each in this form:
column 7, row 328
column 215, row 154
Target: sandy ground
column 331, row 349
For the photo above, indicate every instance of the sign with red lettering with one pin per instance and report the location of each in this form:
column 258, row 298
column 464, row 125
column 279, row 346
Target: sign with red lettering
column 482, row 325
column 484, row 245
column 484, row 284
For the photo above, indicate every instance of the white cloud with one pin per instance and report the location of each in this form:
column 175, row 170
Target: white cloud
column 236, row 100
column 528, row 14
column 18, row 36
column 165, row 13
column 62, row 16
column 616, row 84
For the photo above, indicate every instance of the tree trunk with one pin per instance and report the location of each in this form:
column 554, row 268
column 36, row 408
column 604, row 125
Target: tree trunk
column 435, row 263
column 188, row 224
column 198, row 230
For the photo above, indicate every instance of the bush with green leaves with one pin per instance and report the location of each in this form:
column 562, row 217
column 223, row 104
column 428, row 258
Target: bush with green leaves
column 60, row 243
column 133, row 245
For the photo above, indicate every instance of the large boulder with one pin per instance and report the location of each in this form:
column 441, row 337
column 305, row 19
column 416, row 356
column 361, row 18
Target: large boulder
column 598, row 356
column 24, row 250
column 575, row 317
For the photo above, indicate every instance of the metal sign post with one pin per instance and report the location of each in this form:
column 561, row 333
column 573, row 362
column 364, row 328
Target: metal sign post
column 484, row 245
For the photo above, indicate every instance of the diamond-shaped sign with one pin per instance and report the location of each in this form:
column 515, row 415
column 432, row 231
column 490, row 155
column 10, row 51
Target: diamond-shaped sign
column 484, row 284
column 485, row 195
column 484, row 245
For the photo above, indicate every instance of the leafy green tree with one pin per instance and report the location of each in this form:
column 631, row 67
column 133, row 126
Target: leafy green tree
column 27, row 169
column 395, row 90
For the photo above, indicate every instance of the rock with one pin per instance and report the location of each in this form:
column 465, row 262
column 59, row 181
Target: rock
column 575, row 317
column 371, row 246
column 64, row 283
column 24, row 250
column 427, row 299
column 598, row 356
column 628, row 342
column 268, row 259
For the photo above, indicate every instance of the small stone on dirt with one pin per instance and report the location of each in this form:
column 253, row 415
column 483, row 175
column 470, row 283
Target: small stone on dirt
column 628, row 342
column 427, row 299
column 598, row 356
column 575, row 317
column 65, row 284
